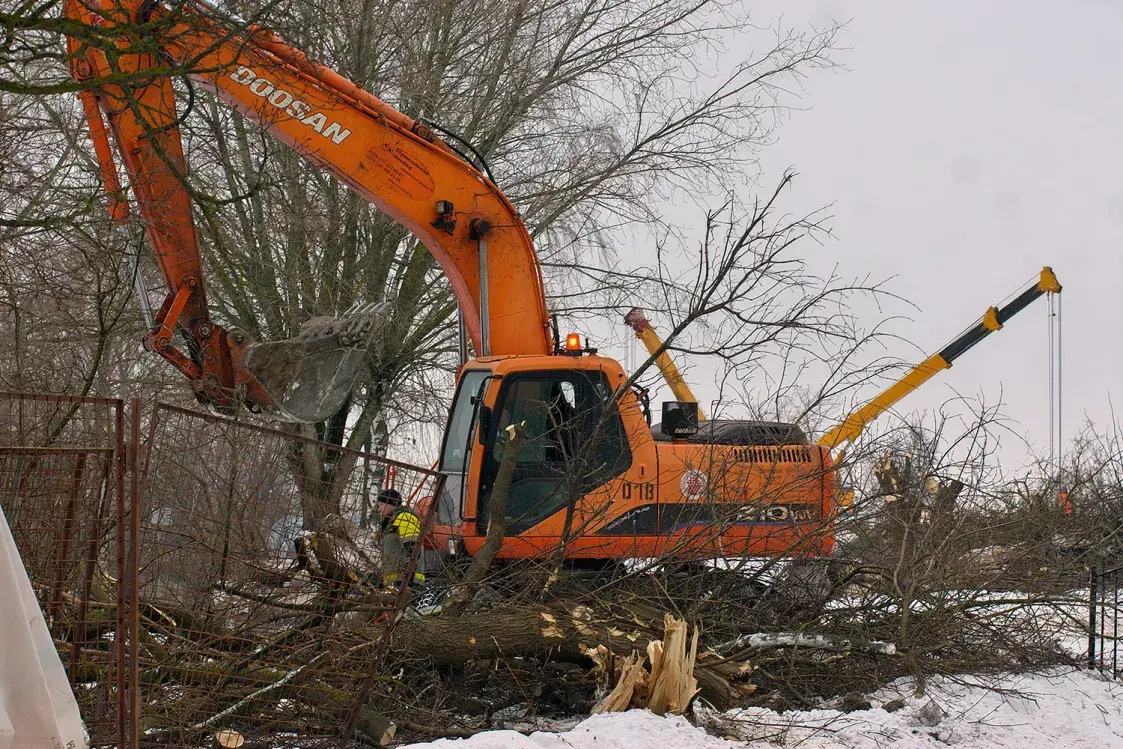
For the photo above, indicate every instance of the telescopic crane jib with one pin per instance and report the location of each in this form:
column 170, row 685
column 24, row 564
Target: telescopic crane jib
column 637, row 321
column 993, row 319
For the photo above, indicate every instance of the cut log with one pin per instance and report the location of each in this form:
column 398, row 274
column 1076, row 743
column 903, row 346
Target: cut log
column 559, row 632
column 379, row 729
column 229, row 740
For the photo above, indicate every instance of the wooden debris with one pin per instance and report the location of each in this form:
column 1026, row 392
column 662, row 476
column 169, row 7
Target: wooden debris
column 670, row 686
column 673, row 685
column 229, row 739
column 632, row 675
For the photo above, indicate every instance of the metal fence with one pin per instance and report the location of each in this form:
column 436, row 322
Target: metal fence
column 253, row 595
column 63, row 487
column 1104, row 621
column 260, row 579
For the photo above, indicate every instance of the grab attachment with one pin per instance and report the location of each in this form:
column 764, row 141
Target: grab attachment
column 310, row 376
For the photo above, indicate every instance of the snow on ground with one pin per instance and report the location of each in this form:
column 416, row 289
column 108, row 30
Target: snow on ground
column 1055, row 710
column 635, row 729
column 1073, row 710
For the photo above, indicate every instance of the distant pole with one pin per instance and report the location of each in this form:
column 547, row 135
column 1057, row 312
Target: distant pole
column 1092, row 619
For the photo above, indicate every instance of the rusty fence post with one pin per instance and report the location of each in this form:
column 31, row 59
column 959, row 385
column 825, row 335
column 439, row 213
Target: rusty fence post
column 134, row 574
column 90, row 567
column 119, row 634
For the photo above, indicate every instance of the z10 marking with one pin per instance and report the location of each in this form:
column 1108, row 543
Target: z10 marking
column 779, row 514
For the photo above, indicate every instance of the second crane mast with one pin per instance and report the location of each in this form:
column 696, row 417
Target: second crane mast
column 637, row 321
column 992, row 320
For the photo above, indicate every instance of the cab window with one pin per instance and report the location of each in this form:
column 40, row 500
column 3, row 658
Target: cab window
column 562, row 411
column 459, row 429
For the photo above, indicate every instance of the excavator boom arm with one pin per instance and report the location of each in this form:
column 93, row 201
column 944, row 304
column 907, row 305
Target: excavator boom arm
column 394, row 162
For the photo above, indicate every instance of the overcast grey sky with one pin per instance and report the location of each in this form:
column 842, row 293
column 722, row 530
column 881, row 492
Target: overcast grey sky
column 966, row 145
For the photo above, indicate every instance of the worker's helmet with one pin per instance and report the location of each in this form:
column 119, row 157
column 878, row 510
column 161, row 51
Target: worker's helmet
column 390, row 497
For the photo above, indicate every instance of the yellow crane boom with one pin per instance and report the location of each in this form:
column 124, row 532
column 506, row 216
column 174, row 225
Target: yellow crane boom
column 994, row 318
column 637, row 321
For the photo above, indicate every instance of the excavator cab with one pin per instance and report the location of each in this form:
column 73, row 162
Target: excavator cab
column 592, row 476
column 572, row 444
column 573, row 441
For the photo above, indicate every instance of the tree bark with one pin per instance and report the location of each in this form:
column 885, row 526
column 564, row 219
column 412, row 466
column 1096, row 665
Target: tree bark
column 562, row 633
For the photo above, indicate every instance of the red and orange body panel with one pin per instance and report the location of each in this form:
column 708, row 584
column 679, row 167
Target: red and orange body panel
column 674, row 499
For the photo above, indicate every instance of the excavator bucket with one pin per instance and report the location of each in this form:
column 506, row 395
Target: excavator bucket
column 310, row 376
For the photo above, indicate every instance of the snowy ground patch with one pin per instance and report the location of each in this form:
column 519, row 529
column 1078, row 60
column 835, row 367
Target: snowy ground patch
column 635, row 729
column 1055, row 710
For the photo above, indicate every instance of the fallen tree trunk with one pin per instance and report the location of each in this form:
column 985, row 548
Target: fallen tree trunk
column 523, row 632
column 563, row 633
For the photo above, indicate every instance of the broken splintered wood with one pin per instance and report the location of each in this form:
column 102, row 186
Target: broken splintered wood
column 632, row 676
column 673, row 683
column 670, row 686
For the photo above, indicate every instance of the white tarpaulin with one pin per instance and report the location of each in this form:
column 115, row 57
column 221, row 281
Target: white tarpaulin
column 37, row 708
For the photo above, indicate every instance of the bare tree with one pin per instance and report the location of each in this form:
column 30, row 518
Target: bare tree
column 66, row 275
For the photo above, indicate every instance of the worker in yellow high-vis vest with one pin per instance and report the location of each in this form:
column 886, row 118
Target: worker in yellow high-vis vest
column 398, row 535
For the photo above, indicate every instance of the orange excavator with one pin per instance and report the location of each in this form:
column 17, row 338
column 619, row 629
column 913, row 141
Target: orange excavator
column 591, row 476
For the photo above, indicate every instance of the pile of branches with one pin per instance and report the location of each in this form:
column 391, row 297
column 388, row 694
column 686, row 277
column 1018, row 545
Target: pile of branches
column 307, row 646
column 531, row 641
